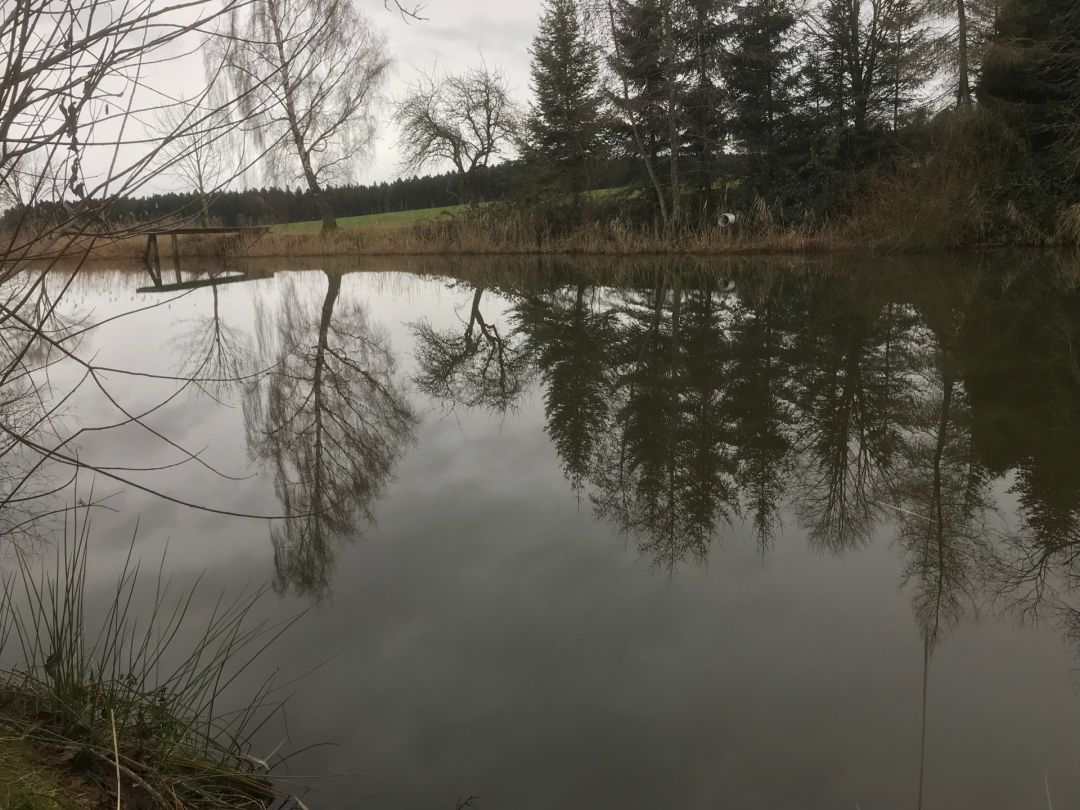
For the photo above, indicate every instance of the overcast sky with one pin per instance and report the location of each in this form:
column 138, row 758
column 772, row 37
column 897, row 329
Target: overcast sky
column 456, row 34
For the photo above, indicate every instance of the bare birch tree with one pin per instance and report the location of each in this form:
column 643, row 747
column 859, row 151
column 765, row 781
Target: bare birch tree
column 73, row 88
column 77, row 93
column 309, row 72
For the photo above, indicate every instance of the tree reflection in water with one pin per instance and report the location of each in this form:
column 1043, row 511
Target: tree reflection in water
column 571, row 344
column 484, row 366
column 852, row 372
column 331, row 421
column 665, row 472
column 859, row 405
column 762, row 402
column 855, row 408
column 216, row 356
column 36, row 334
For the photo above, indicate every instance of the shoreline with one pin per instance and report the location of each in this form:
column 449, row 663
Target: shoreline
column 344, row 246
column 45, row 765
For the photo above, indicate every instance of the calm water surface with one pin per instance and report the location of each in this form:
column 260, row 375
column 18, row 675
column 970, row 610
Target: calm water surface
column 579, row 537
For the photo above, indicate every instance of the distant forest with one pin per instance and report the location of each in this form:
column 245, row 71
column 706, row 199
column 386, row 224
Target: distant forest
column 270, row 205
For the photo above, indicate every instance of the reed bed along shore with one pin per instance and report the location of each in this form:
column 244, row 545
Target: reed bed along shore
column 475, row 235
column 125, row 715
column 498, row 232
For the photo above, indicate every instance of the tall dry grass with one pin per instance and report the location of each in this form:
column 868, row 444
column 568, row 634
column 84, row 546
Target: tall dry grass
column 494, row 231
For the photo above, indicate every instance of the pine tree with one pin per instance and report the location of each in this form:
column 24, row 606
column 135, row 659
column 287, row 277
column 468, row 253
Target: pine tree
column 641, row 66
column 762, row 81
column 908, row 61
column 701, row 31
column 1031, row 80
column 565, row 123
column 864, row 47
column 964, row 39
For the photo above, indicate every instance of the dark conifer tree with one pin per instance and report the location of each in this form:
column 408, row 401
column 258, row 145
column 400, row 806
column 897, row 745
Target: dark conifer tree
column 762, row 80
column 701, row 34
column 640, row 64
column 855, row 46
column 566, row 124
column 909, row 57
column 1031, row 79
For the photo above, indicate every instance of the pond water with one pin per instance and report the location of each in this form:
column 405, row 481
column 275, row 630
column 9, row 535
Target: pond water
column 632, row 535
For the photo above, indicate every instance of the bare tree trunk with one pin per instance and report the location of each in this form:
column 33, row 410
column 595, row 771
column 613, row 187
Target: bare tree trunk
column 329, row 223
column 204, row 212
column 649, row 168
column 673, row 118
column 474, row 316
column 963, row 87
column 857, row 69
column 896, row 82
column 333, row 289
column 468, row 189
column 770, row 126
column 326, row 213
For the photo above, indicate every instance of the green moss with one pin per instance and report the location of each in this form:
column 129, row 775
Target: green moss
column 28, row 783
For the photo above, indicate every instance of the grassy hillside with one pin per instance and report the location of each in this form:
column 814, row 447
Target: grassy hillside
column 393, row 219
column 400, row 218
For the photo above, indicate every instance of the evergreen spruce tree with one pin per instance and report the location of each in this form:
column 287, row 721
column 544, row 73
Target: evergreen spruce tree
column 963, row 39
column 565, row 123
column 701, row 32
column 762, row 82
column 909, row 56
column 856, row 45
column 640, row 63
column 1031, row 81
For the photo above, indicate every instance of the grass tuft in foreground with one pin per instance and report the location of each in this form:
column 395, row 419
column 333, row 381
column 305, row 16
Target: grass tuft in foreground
column 122, row 717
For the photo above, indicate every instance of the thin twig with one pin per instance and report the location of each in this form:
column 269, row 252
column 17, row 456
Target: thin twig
column 116, row 755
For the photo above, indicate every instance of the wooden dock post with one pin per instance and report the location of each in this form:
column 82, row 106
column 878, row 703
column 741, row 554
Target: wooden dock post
column 154, row 263
column 176, row 257
column 152, row 254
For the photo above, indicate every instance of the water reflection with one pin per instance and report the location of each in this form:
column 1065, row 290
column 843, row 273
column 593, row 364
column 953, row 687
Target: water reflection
column 330, row 421
column 484, row 366
column 819, row 438
column 35, row 335
column 682, row 400
column 665, row 470
column 1020, row 372
column 571, row 340
column 215, row 355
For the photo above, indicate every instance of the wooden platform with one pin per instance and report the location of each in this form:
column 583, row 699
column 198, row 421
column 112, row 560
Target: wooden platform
column 196, row 284
column 152, row 254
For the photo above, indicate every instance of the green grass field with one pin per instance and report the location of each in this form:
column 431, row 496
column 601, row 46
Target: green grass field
column 400, row 218
column 391, row 219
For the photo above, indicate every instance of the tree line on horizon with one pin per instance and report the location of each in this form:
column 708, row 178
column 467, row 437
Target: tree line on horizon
column 268, row 205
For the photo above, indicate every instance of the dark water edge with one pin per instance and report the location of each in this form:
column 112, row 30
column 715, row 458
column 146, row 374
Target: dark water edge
column 751, row 533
